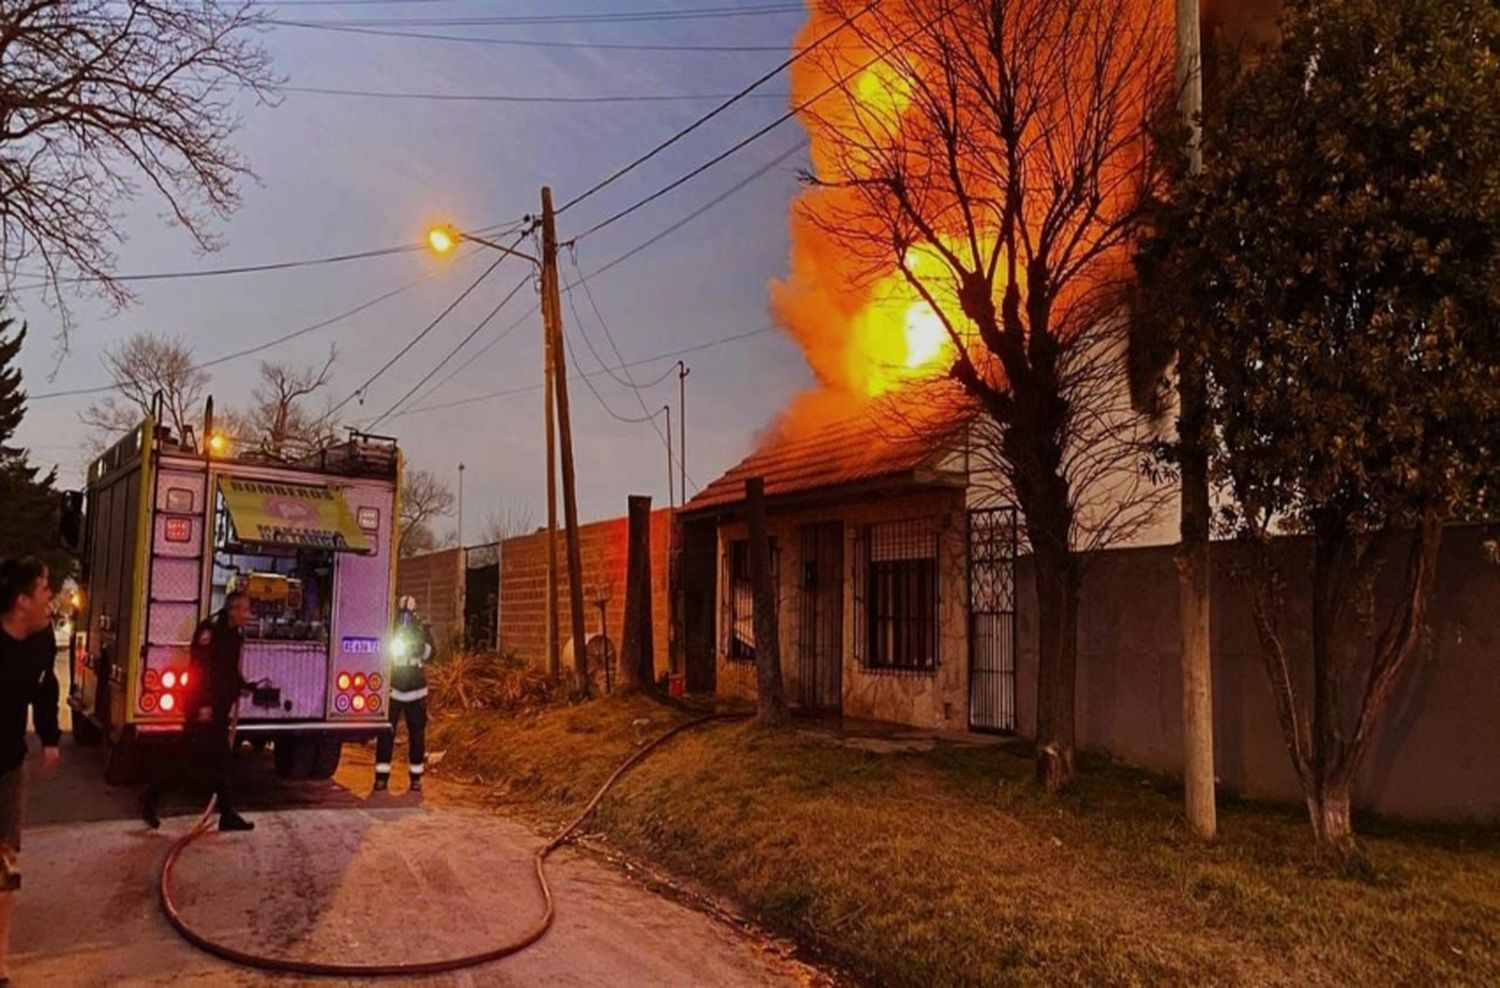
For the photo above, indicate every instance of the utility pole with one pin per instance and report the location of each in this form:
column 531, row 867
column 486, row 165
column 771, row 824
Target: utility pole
column 460, row 505
column 551, row 291
column 554, row 634
column 683, row 370
column 671, row 499
column 459, row 598
column 1193, row 549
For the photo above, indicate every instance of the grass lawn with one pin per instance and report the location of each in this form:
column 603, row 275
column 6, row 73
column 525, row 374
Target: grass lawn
column 947, row 867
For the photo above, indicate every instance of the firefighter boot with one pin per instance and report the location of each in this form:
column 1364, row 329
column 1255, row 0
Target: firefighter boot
column 416, row 783
column 230, row 820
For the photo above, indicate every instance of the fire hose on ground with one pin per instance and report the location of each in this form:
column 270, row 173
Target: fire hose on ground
column 289, row 965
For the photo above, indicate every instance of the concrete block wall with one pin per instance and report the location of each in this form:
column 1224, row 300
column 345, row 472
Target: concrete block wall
column 1436, row 755
column 604, row 547
column 435, row 580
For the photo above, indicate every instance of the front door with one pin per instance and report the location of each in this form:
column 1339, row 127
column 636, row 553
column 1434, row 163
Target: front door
column 821, row 635
column 992, row 619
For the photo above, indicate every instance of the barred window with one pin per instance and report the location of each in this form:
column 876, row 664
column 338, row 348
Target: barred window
column 739, row 599
column 896, row 596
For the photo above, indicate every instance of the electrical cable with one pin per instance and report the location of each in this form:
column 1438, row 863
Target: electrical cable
column 498, row 229
column 538, row 930
column 632, row 252
column 268, row 344
column 588, row 382
column 451, row 353
column 513, row 98
column 650, row 16
column 690, row 128
column 742, row 143
column 528, row 388
column 359, row 391
column 337, row 28
column 583, row 282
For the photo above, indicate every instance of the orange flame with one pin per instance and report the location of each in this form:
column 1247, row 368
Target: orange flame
column 867, row 324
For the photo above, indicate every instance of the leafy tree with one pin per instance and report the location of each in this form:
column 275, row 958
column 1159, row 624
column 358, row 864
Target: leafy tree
column 29, row 504
column 1337, row 265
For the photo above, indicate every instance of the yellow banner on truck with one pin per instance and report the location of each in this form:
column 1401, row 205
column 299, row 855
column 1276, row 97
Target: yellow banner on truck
column 274, row 513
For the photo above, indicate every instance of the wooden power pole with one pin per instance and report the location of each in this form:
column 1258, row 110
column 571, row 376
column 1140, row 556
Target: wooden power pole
column 552, row 292
column 554, row 633
column 1193, row 559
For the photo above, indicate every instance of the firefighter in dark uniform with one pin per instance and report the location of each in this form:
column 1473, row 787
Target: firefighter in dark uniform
column 411, row 648
column 214, row 685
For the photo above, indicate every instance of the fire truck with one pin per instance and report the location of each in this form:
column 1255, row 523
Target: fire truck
column 169, row 529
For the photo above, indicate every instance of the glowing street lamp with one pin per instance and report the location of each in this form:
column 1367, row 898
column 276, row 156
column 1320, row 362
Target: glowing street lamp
column 442, row 239
column 218, row 444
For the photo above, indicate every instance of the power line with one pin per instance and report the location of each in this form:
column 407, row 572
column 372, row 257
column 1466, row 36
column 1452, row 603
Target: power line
column 268, row 344
column 632, row 252
column 629, row 380
column 738, row 145
column 359, row 391
column 588, row 382
column 690, row 128
column 306, row 262
column 338, row 28
column 516, row 98
column 657, row 15
column 451, row 353
column 526, row 389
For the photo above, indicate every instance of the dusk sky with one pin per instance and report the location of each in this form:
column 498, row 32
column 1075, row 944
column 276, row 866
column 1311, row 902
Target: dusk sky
column 343, row 173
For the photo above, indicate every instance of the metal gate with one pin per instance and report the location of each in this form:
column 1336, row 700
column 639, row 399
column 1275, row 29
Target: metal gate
column 992, row 619
column 820, row 651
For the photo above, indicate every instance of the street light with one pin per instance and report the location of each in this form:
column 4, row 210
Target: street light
column 445, row 236
column 442, row 239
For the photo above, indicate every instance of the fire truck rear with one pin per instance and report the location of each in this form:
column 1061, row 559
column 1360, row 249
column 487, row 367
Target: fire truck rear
column 170, row 529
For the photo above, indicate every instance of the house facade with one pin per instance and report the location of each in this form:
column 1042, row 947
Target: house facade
column 895, row 597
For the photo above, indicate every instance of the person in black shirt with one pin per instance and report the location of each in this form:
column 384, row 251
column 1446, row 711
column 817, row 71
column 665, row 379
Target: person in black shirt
column 27, row 682
column 215, row 683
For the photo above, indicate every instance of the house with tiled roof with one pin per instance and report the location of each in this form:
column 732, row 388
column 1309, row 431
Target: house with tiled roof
column 871, row 529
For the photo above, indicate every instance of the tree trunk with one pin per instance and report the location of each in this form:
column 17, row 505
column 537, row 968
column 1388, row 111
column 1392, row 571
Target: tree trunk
column 1328, row 806
column 770, row 700
column 1057, row 657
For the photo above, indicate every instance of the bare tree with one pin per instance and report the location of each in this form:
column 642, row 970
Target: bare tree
column 994, row 153
column 507, row 522
column 279, row 422
column 424, row 499
column 101, row 97
column 143, row 366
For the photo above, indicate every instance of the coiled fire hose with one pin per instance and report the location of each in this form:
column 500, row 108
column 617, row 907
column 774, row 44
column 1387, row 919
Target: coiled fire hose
column 289, row 965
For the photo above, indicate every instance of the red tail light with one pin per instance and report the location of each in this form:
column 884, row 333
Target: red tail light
column 359, row 701
column 168, row 701
column 359, row 680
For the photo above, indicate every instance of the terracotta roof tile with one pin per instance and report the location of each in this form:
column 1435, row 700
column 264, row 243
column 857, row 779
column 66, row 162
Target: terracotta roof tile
column 856, row 449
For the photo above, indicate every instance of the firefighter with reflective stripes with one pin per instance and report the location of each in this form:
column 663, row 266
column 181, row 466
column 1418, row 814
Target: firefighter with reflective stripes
column 411, row 648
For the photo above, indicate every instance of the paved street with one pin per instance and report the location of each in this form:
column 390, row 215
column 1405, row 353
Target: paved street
column 331, row 873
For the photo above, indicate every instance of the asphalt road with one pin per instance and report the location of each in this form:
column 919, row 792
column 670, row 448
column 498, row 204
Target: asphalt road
column 331, row 873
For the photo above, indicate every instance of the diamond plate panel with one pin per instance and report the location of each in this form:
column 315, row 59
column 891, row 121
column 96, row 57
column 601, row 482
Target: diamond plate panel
column 175, row 580
column 172, row 623
column 298, row 669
